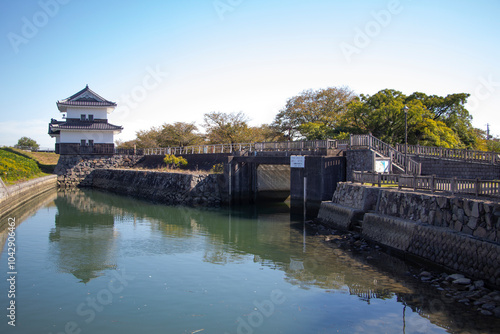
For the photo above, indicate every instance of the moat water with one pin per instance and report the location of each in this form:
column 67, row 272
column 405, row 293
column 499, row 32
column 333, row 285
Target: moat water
column 94, row 262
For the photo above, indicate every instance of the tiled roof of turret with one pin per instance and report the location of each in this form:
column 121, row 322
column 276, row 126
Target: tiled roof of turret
column 87, row 126
column 86, row 97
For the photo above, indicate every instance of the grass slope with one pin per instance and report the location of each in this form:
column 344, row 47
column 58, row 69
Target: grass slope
column 17, row 165
column 45, row 160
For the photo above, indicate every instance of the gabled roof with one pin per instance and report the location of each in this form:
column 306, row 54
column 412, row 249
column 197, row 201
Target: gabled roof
column 86, row 98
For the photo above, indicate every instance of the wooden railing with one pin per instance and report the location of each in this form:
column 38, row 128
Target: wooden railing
column 201, row 149
column 304, row 145
column 432, row 183
column 398, row 158
column 286, row 146
column 450, row 153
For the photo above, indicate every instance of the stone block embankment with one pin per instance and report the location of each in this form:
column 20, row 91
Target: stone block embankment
column 161, row 187
column 339, row 216
column 460, row 234
column 74, row 170
column 349, row 203
column 13, row 196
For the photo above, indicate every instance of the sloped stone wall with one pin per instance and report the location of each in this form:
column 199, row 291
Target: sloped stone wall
column 161, row 187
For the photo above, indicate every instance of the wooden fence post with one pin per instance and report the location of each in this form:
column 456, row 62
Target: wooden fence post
column 433, row 182
column 362, row 179
column 453, row 185
column 379, row 180
column 414, row 182
column 477, row 187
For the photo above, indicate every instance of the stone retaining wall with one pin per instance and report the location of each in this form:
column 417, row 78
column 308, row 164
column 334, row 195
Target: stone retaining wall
column 479, row 218
column 13, row 196
column 455, row 168
column 461, row 234
column 474, row 257
column 73, row 170
column 359, row 160
column 161, row 187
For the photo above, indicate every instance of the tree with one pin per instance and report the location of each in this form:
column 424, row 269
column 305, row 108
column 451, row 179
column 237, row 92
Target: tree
column 130, row 144
column 314, row 114
column 264, row 133
column 222, row 128
column 382, row 114
column 148, row 138
column 451, row 111
column 26, row 142
column 179, row 134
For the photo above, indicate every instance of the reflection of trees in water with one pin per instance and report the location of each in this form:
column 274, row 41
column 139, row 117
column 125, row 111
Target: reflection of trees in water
column 225, row 236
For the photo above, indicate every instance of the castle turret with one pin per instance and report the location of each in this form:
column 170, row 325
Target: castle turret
column 86, row 129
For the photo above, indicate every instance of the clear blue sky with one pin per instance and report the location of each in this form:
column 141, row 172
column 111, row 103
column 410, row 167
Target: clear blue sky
column 168, row 61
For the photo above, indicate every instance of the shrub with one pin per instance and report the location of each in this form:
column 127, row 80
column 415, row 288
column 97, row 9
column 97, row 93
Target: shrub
column 174, row 162
column 217, row 168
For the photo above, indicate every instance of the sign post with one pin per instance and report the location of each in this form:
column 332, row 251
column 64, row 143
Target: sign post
column 299, row 161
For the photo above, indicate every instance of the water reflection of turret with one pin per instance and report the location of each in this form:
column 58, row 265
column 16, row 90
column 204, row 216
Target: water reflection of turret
column 83, row 240
column 25, row 211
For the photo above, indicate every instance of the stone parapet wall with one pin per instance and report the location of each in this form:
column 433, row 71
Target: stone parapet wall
column 74, row 170
column 161, row 187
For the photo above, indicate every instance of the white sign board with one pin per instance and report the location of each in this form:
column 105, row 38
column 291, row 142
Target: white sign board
column 382, row 165
column 297, row 161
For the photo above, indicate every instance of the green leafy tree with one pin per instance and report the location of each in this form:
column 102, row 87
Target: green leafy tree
column 26, row 142
column 451, row 111
column 382, row 114
column 314, row 114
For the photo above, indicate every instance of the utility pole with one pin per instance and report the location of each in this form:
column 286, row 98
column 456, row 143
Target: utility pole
column 405, row 109
column 488, row 131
